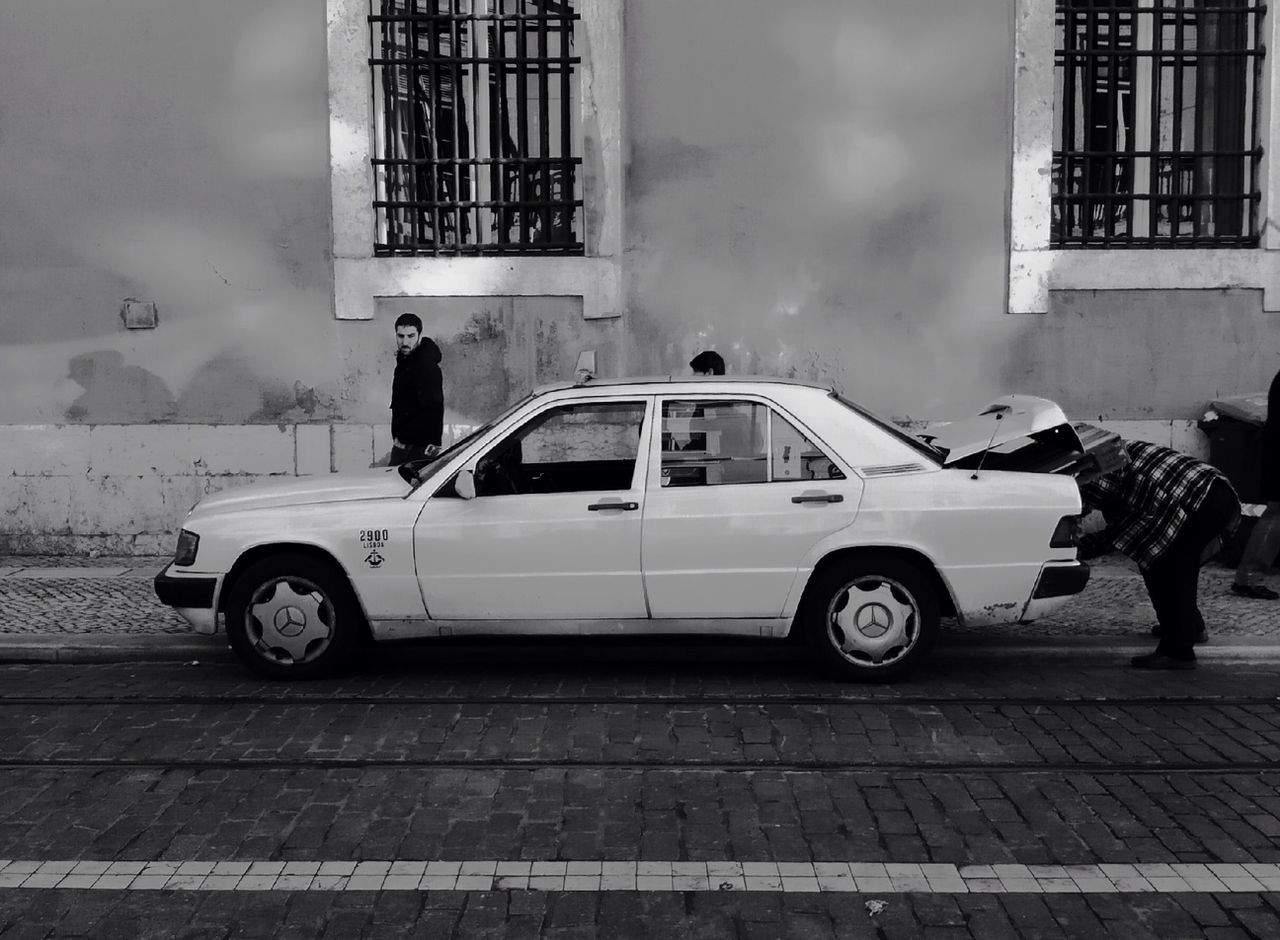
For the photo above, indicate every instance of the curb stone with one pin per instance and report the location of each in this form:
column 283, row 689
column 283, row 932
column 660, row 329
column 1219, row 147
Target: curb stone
column 93, row 649
column 205, row 650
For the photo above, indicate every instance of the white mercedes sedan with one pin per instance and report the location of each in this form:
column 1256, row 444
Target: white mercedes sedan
column 741, row 506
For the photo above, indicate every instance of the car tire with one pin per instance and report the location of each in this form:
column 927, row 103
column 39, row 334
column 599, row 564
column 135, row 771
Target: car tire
column 293, row 616
column 872, row 619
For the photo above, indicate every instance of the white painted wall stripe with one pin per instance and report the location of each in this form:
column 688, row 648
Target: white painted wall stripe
column 492, row 875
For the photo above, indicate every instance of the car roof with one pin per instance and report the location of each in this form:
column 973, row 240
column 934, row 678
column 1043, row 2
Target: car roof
column 711, row 381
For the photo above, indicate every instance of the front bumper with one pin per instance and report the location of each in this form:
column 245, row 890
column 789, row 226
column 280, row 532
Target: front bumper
column 192, row 597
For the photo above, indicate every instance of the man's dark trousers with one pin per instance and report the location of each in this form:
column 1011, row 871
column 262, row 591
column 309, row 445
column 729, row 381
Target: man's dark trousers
column 1173, row 581
column 406, row 453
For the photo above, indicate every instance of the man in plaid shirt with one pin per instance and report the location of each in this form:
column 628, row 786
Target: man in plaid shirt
column 1163, row 509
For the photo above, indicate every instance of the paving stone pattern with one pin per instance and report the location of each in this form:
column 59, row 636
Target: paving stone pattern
column 254, row 777
column 174, row 826
column 838, row 735
column 625, row 915
column 108, row 595
column 313, row 814
column 568, row 672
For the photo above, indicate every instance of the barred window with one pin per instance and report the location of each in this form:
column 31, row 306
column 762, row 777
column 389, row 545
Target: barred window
column 1156, row 123
column 477, row 144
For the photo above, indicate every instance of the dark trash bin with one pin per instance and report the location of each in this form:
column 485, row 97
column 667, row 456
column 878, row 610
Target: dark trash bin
column 1234, row 428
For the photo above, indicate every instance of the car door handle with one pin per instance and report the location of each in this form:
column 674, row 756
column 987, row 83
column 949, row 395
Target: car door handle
column 812, row 497
column 614, row 504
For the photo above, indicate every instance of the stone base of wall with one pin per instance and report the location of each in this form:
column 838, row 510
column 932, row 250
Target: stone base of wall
column 86, row 546
column 125, row 489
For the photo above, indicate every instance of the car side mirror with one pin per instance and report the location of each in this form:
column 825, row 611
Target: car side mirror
column 465, row 483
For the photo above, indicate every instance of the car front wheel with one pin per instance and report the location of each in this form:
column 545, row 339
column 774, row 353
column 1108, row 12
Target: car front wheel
column 871, row 620
column 292, row 616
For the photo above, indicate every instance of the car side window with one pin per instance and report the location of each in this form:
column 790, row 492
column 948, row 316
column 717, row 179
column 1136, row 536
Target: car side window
column 711, row 442
column 795, row 457
column 567, row 449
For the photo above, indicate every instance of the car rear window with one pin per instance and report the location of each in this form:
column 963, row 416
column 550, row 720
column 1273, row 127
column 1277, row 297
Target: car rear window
column 928, row 450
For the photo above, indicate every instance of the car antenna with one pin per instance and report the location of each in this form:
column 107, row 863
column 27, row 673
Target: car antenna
column 986, row 450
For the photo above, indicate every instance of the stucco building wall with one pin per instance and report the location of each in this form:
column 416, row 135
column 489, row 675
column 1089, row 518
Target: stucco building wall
column 1142, row 355
column 816, row 188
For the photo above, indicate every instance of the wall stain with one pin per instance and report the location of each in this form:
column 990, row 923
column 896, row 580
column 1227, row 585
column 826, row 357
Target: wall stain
column 284, row 405
column 477, row 380
column 657, row 160
column 115, row 392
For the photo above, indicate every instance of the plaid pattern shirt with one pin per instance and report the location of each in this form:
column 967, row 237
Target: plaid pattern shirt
column 1148, row 501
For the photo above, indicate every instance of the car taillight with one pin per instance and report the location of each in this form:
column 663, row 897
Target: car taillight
column 188, row 544
column 1067, row 533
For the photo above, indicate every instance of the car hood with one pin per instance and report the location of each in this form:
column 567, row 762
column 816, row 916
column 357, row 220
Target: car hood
column 382, row 483
column 1005, row 420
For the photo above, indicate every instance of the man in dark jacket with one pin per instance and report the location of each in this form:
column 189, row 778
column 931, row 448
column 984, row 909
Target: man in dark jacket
column 1163, row 509
column 1264, row 542
column 417, row 394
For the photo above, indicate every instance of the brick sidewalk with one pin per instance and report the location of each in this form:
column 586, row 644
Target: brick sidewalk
column 56, row 596
column 111, row 598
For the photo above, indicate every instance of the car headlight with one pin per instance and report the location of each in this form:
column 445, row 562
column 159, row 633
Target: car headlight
column 188, row 545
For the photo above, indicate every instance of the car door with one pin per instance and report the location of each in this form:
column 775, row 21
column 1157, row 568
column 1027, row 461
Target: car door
column 738, row 495
column 553, row 531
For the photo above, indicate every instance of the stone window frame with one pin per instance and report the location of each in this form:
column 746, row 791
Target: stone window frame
column 1035, row 269
column 360, row 277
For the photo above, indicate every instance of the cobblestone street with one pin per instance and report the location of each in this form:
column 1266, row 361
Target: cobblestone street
column 719, row 798
column 1025, row 783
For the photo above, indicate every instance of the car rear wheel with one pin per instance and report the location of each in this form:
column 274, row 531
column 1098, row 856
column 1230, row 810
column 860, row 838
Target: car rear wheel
column 871, row 620
column 292, row 616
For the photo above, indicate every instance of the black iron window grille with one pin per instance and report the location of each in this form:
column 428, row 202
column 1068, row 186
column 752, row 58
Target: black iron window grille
column 1156, row 139
column 476, row 143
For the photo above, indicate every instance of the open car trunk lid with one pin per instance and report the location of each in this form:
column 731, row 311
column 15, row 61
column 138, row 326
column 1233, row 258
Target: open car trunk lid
column 1022, row 432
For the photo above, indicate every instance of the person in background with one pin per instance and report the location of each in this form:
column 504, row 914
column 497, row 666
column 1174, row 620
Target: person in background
column 1264, row 542
column 707, row 362
column 417, row 394
column 1163, row 509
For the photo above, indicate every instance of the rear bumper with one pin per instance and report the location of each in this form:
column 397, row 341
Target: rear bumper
column 1061, row 580
column 192, row 597
column 1056, row 584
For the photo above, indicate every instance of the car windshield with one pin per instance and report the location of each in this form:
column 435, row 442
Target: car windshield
column 933, row 453
column 418, row 472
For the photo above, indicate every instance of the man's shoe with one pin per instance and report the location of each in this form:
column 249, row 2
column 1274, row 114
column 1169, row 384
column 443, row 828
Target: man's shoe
column 1202, row 637
column 1258, row 591
column 1160, row 661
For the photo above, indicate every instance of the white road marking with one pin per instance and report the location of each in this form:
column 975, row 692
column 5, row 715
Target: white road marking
column 494, row 875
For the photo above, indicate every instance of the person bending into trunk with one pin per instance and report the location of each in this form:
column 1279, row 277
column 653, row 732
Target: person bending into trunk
column 1164, row 510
